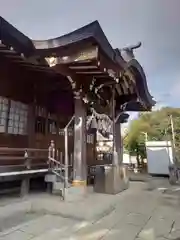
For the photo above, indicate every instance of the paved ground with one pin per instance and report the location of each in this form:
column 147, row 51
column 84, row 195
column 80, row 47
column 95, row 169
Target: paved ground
column 142, row 212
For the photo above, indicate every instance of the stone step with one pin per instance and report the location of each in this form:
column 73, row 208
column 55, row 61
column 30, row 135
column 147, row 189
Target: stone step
column 51, row 177
column 58, row 188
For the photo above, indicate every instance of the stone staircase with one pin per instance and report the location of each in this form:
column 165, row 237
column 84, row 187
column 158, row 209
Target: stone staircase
column 57, row 181
column 59, row 175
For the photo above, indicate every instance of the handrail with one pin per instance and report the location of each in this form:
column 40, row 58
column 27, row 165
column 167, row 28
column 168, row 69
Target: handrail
column 62, row 177
column 55, row 161
column 56, row 167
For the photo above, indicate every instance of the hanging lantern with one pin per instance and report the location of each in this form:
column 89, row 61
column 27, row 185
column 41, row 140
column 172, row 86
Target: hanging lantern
column 99, row 124
column 103, row 131
column 94, row 124
column 104, row 124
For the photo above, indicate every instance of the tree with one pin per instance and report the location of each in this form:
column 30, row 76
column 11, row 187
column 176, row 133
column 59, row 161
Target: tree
column 157, row 126
column 134, row 142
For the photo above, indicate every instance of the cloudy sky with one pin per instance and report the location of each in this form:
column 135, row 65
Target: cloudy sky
column 154, row 22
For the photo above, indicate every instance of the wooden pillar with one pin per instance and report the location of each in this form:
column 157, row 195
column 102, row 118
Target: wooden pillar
column 8, row 112
column 80, row 162
column 25, row 183
column 31, row 126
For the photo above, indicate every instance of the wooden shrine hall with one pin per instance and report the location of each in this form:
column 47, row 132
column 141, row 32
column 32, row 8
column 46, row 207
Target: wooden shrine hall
column 65, row 83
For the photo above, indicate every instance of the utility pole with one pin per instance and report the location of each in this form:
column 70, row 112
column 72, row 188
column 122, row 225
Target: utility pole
column 172, row 130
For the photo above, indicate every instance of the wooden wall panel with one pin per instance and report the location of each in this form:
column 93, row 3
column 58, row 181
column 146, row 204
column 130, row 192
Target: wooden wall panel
column 14, row 141
column 15, row 84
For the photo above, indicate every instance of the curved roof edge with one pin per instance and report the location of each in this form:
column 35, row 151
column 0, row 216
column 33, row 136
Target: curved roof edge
column 141, row 81
column 90, row 31
column 13, row 37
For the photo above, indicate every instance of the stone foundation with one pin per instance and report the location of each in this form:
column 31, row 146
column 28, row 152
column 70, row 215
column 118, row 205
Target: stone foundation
column 75, row 193
column 111, row 179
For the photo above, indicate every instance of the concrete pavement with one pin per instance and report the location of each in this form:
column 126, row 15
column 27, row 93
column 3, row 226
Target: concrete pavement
column 139, row 213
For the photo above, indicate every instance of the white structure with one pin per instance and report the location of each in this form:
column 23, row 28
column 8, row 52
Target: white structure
column 127, row 159
column 159, row 157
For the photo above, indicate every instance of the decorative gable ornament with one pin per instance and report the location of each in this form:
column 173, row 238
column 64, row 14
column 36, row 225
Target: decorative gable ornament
column 52, row 61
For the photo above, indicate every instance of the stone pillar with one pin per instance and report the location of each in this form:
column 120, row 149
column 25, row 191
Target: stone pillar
column 118, row 144
column 113, row 179
column 25, row 186
column 80, row 165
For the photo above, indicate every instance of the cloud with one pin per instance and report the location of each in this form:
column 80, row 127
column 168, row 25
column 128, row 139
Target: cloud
column 173, row 96
column 175, row 90
column 158, row 106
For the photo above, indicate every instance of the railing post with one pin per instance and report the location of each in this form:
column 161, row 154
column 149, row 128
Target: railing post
column 71, row 159
column 61, row 157
column 51, row 152
column 27, row 160
column 66, row 157
column 57, row 157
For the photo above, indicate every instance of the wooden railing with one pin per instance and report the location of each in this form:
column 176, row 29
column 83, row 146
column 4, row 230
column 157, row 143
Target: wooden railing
column 13, row 159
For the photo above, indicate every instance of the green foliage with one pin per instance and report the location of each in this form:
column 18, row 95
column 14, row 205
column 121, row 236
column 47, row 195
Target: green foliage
column 157, row 126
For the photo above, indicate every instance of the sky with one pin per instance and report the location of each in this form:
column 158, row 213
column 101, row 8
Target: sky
column 153, row 22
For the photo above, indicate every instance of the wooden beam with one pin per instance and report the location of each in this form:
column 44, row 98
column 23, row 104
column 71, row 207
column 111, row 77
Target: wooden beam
column 90, row 72
column 65, row 71
column 6, row 51
column 14, row 57
column 81, row 67
column 90, row 53
column 125, row 90
column 109, row 65
column 119, row 90
column 131, row 88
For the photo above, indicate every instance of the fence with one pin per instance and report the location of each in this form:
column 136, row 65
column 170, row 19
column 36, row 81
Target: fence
column 174, row 174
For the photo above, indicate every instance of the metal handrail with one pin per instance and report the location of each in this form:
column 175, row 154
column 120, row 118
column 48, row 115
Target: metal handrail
column 62, row 177
column 56, row 167
column 55, row 161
